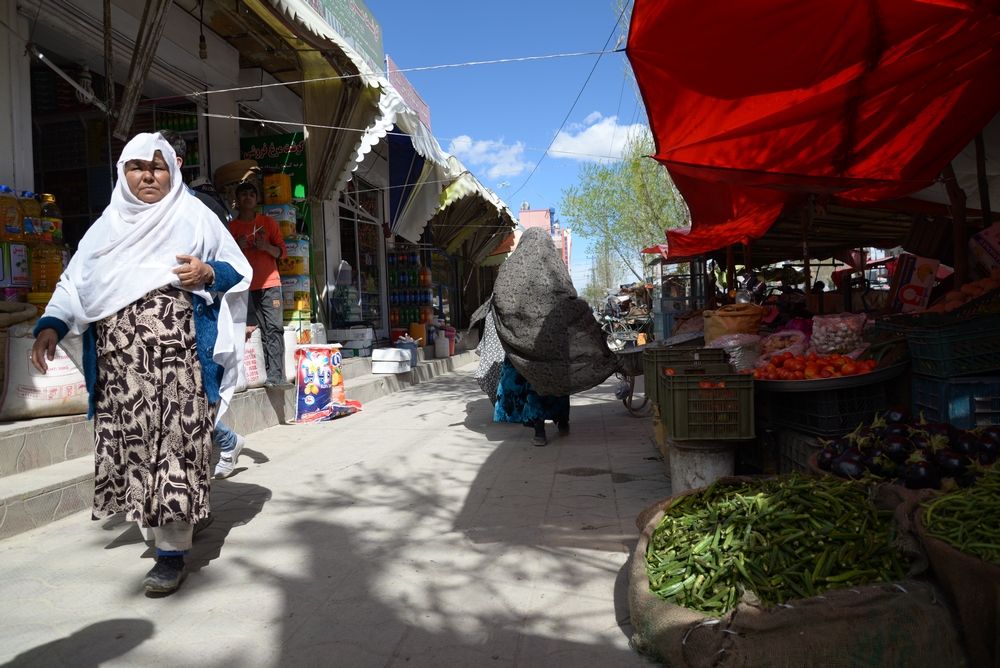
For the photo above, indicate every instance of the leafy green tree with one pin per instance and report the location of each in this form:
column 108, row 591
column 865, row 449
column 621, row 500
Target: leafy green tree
column 626, row 205
column 606, row 273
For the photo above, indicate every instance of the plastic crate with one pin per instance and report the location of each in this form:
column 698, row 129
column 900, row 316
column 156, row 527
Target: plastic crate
column 695, row 413
column 655, row 360
column 829, row 413
column 966, row 348
column 966, row 403
column 794, row 451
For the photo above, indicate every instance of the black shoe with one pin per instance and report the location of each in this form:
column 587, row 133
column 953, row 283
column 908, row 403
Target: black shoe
column 563, row 427
column 280, row 384
column 539, row 437
column 165, row 576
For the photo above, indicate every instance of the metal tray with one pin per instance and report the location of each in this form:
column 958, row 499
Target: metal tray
column 832, row 383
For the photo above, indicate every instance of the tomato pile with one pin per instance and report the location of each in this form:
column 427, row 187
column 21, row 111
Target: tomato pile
column 787, row 366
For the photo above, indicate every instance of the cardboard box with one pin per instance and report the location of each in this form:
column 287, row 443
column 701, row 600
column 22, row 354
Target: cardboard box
column 912, row 282
column 295, row 316
column 296, row 263
column 984, row 252
column 14, row 266
column 296, row 293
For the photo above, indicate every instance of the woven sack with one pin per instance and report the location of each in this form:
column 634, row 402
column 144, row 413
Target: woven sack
column 733, row 319
column 903, row 625
column 973, row 586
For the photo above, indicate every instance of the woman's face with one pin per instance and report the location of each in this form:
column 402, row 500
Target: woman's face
column 148, row 180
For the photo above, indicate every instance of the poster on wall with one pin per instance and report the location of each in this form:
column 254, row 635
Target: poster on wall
column 285, row 152
column 355, row 23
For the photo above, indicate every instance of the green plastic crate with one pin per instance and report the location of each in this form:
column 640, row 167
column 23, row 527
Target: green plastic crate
column 691, row 412
column 655, row 360
column 965, row 348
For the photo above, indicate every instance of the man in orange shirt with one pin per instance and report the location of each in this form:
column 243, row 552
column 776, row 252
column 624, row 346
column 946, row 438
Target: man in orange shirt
column 260, row 239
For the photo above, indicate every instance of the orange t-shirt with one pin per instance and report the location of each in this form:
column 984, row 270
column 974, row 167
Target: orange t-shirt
column 265, row 267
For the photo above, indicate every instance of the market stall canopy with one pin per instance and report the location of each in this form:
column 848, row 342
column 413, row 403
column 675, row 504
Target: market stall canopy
column 418, row 168
column 471, row 221
column 339, row 51
column 752, row 104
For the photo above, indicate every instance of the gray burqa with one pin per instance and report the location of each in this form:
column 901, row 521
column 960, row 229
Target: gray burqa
column 549, row 335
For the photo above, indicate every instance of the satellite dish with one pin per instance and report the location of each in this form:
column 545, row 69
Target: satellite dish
column 525, row 206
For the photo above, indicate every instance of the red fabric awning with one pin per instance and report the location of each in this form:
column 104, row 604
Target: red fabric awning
column 753, row 104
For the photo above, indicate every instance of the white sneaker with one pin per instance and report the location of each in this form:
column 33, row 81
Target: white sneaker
column 227, row 461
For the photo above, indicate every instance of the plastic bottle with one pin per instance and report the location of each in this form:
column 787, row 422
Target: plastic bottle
column 11, row 216
column 394, row 317
column 391, row 277
column 425, row 277
column 46, row 265
column 52, row 222
column 414, row 277
column 32, row 209
column 402, row 279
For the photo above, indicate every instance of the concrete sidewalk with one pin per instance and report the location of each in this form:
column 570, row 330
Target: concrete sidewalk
column 416, row 533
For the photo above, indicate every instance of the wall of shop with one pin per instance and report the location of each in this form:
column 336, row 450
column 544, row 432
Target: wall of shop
column 16, row 164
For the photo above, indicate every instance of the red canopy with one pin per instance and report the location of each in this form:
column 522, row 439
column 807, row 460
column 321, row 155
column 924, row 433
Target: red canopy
column 754, row 104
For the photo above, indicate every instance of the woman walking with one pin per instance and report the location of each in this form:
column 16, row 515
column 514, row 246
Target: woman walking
column 548, row 339
column 158, row 291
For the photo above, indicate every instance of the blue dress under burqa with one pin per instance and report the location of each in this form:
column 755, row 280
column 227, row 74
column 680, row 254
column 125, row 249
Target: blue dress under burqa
column 518, row 402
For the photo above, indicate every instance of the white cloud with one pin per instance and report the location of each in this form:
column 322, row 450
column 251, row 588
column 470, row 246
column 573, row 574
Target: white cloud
column 499, row 159
column 597, row 138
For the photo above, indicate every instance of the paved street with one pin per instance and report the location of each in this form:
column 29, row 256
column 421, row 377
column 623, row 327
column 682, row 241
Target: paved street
column 416, row 533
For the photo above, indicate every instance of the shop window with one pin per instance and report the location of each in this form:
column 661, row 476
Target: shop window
column 361, row 245
column 445, row 286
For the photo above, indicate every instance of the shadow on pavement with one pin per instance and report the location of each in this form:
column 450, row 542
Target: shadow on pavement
column 92, row 645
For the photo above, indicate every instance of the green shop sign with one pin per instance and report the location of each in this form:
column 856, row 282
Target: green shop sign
column 284, row 152
column 352, row 20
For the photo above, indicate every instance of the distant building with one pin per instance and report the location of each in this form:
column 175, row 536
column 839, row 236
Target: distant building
column 546, row 219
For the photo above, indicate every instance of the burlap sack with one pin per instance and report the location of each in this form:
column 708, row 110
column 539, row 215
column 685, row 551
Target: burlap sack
column 905, row 625
column 973, row 586
column 733, row 319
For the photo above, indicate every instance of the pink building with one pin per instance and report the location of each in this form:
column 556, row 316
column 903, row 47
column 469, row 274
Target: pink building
column 546, row 219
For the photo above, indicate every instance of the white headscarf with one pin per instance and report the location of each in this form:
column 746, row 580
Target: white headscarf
column 131, row 250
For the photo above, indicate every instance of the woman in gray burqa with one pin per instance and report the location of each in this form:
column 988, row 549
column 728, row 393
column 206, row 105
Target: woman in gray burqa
column 541, row 343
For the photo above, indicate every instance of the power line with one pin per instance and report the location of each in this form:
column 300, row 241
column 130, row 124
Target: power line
column 427, row 68
column 578, row 95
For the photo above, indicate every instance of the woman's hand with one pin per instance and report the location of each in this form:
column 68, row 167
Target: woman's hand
column 193, row 272
column 45, row 346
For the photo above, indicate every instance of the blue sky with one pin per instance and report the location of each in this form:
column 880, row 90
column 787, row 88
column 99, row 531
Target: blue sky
column 498, row 119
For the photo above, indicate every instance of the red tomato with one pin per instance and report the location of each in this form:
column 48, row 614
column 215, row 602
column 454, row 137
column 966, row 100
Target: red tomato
column 849, row 369
column 705, row 383
column 721, row 384
column 787, row 355
column 827, row 372
column 788, row 363
column 812, row 357
column 668, row 372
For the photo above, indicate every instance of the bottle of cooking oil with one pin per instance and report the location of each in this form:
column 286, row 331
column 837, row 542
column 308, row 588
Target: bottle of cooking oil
column 46, row 265
column 32, row 210
column 11, row 216
column 52, row 220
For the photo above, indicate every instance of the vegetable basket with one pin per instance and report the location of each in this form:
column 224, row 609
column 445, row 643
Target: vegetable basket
column 655, row 360
column 716, row 405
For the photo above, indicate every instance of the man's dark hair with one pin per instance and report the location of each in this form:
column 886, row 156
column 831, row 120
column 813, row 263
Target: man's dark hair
column 247, row 185
column 176, row 142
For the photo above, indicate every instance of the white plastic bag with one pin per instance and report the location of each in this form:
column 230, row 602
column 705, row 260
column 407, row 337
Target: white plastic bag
column 839, row 333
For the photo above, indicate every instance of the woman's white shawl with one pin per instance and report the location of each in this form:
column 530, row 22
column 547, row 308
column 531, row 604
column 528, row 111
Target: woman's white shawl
column 132, row 249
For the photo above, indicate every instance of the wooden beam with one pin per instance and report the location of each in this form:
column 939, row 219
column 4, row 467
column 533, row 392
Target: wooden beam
column 730, row 268
column 958, row 225
column 154, row 18
column 807, row 218
column 984, row 184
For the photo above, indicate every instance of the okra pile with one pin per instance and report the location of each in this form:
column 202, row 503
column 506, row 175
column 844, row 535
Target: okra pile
column 782, row 538
column 968, row 519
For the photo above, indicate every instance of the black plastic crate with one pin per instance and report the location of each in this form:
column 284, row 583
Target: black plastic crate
column 829, row 413
column 966, row 403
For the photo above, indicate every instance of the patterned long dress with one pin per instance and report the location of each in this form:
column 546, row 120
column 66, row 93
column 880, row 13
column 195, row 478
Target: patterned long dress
column 153, row 422
column 517, row 401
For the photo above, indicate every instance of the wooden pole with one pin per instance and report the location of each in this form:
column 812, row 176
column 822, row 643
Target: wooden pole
column 807, row 218
column 984, row 185
column 747, row 260
column 730, row 268
column 958, row 224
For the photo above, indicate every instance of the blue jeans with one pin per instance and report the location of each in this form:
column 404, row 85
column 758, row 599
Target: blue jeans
column 224, row 437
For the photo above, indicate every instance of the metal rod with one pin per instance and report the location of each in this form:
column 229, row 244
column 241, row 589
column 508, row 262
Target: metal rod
column 984, row 184
column 807, row 219
column 89, row 96
column 958, row 224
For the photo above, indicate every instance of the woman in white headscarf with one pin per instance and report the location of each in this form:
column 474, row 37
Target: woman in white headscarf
column 157, row 289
